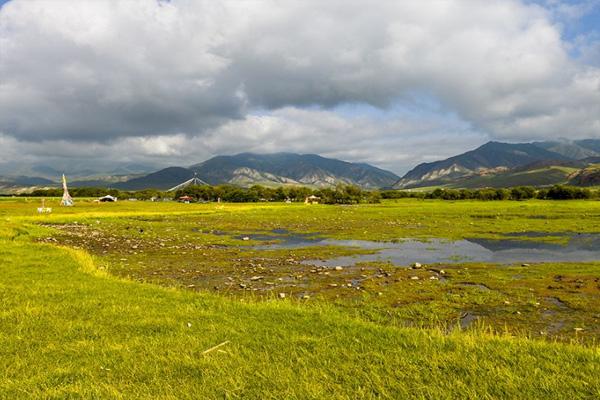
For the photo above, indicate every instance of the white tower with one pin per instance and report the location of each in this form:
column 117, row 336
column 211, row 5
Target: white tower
column 67, row 200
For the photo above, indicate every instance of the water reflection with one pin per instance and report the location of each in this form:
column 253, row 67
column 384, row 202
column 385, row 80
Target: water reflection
column 513, row 249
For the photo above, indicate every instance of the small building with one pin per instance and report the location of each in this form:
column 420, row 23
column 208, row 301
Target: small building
column 312, row 199
column 185, row 199
column 107, row 199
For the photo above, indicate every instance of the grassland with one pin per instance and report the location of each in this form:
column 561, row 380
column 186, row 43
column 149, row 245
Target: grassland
column 119, row 301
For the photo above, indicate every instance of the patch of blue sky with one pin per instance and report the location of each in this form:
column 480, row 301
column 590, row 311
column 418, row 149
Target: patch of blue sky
column 575, row 17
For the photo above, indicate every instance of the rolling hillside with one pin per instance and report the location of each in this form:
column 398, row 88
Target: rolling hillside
column 249, row 169
column 504, row 164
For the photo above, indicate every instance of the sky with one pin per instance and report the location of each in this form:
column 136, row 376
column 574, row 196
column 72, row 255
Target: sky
column 393, row 84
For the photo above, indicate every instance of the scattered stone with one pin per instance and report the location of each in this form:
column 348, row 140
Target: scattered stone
column 243, row 285
column 305, row 297
column 282, row 295
column 414, row 278
column 245, row 238
column 525, row 265
column 256, row 278
column 578, row 329
column 333, row 285
column 417, row 265
column 338, row 268
column 433, row 278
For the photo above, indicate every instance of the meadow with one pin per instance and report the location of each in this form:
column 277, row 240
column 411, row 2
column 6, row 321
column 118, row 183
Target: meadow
column 169, row 300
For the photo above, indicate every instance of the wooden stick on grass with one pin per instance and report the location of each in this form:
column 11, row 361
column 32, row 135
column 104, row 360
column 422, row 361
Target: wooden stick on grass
column 205, row 352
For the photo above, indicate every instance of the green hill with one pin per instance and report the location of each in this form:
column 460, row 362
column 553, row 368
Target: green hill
column 546, row 176
column 496, row 164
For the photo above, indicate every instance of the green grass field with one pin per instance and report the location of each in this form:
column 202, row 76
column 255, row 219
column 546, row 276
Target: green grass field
column 119, row 301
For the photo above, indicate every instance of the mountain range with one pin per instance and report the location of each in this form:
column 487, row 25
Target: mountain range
column 493, row 164
column 497, row 164
column 247, row 169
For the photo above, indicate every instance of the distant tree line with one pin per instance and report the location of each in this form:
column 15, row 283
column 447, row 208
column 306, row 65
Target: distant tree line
column 339, row 195
column 342, row 194
column 557, row 192
column 98, row 192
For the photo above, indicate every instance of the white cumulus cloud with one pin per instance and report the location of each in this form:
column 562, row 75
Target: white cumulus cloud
column 181, row 80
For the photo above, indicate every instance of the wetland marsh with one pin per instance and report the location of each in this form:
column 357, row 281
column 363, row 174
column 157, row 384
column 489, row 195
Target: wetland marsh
column 501, row 265
column 147, row 300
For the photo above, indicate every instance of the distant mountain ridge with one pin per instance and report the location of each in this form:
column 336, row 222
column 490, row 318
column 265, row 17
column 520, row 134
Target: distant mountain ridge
column 247, row 169
column 494, row 163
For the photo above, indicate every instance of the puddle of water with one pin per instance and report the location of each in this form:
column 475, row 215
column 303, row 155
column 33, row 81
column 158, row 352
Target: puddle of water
column 558, row 303
column 467, row 319
column 584, row 247
column 209, row 231
column 580, row 247
column 282, row 239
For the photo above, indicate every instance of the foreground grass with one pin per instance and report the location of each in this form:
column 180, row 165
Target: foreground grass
column 70, row 331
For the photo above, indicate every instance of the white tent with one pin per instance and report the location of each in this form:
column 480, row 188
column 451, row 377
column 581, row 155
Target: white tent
column 195, row 181
column 107, row 198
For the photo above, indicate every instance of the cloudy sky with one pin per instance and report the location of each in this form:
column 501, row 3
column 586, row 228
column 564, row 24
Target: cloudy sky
column 393, row 83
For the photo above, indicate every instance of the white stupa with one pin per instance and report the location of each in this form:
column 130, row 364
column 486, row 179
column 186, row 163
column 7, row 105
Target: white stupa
column 67, row 200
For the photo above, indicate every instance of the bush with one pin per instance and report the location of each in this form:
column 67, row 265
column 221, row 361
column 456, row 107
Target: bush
column 522, row 193
column 559, row 192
